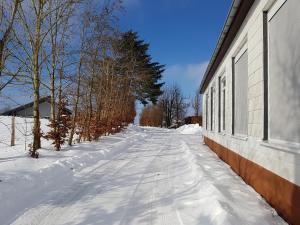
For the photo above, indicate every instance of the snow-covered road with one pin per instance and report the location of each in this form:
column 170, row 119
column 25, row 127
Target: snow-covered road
column 163, row 177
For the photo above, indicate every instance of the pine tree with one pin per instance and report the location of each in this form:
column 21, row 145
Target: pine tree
column 60, row 126
column 143, row 75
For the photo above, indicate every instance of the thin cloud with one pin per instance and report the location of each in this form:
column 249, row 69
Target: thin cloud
column 187, row 73
column 188, row 77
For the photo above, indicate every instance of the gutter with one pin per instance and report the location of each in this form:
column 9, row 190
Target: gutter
column 238, row 12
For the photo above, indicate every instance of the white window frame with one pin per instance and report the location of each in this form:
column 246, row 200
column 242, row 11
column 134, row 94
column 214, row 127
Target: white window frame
column 223, row 102
column 243, row 47
column 212, row 107
column 241, row 52
column 207, row 110
column 272, row 8
column 221, row 78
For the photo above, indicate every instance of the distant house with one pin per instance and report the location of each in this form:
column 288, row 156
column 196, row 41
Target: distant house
column 27, row 109
column 251, row 99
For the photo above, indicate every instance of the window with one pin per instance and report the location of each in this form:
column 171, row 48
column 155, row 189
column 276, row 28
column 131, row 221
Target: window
column 206, row 111
column 240, row 93
column 221, row 107
column 284, row 71
column 223, row 103
column 212, row 114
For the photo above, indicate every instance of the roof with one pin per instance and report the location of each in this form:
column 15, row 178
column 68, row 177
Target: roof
column 28, row 105
column 237, row 14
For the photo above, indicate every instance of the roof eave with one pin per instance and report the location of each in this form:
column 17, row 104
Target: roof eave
column 22, row 107
column 238, row 12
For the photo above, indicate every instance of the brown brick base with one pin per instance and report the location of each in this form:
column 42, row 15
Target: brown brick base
column 280, row 193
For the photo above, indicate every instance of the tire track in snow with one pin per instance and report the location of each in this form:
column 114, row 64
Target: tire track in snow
column 132, row 198
column 51, row 213
column 42, row 214
column 170, row 179
column 163, row 189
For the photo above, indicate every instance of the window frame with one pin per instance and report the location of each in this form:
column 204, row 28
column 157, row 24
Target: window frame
column 223, row 97
column 221, row 102
column 266, row 75
column 212, row 108
column 274, row 8
column 206, row 110
column 241, row 50
column 268, row 15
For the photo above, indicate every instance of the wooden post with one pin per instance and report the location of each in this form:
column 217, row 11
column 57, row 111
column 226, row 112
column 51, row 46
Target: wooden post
column 13, row 131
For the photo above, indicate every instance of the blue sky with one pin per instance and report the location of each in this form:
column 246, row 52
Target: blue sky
column 182, row 34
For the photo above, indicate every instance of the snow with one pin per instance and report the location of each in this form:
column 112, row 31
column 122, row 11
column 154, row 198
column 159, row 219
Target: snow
column 23, row 132
column 190, row 129
column 140, row 176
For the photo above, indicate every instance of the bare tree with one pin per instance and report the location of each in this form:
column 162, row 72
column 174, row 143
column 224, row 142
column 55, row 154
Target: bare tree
column 8, row 12
column 39, row 20
column 167, row 101
column 58, row 19
column 101, row 70
column 6, row 25
column 152, row 116
column 77, row 83
column 174, row 105
column 196, row 103
column 180, row 105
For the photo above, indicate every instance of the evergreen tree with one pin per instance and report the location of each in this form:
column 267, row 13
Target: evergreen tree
column 134, row 61
column 59, row 126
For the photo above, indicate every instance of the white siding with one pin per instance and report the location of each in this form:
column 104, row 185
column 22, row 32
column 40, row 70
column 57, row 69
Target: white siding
column 284, row 161
column 44, row 111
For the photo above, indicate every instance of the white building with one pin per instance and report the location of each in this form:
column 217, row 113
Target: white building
column 251, row 99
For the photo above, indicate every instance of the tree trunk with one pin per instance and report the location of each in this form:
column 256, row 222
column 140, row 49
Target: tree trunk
column 52, row 100
column 73, row 126
column 90, row 114
column 36, row 114
column 13, row 131
column 53, row 34
column 36, row 82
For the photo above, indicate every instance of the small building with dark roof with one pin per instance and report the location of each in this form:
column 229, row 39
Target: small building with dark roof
column 27, row 109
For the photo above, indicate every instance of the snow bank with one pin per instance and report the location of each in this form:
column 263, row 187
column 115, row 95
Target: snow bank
column 25, row 181
column 190, row 129
column 23, row 128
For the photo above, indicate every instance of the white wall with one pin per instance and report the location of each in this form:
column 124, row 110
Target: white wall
column 43, row 107
column 282, row 160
